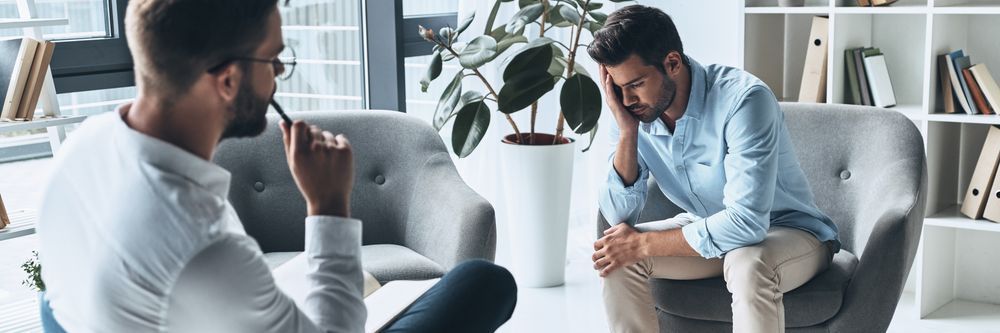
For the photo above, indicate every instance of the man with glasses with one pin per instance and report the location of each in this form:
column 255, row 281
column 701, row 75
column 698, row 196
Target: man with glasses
column 136, row 232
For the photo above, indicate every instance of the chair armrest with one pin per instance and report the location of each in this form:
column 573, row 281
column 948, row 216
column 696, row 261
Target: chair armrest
column 896, row 205
column 446, row 220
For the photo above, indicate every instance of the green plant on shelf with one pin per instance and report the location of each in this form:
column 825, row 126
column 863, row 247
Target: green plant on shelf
column 34, row 269
column 531, row 73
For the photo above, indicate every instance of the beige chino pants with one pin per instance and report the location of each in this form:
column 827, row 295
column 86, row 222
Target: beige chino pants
column 756, row 275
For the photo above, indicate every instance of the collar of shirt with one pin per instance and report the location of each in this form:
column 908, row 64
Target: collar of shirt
column 170, row 158
column 696, row 102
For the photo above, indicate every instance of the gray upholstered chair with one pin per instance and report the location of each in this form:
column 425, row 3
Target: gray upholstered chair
column 420, row 219
column 868, row 173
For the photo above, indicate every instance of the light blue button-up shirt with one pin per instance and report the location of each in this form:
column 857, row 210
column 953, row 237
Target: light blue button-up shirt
column 729, row 161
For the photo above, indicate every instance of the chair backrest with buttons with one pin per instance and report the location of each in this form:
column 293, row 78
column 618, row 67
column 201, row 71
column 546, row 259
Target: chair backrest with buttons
column 388, row 146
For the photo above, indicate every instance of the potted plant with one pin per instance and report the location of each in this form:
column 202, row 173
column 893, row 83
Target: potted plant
column 537, row 167
column 33, row 267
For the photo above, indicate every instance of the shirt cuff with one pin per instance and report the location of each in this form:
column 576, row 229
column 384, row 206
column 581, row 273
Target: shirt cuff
column 697, row 236
column 333, row 234
column 617, row 186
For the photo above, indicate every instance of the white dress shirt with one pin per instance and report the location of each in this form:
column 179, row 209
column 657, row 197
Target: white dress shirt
column 137, row 235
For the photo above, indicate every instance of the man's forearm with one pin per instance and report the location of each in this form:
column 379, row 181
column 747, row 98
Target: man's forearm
column 626, row 157
column 667, row 243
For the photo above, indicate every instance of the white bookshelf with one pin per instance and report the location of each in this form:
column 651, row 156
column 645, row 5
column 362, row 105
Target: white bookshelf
column 52, row 120
column 956, row 266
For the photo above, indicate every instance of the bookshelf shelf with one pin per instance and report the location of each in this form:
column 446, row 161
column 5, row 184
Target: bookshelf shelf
column 31, row 23
column 40, row 123
column 949, row 275
column 952, row 218
column 22, row 223
column 964, row 118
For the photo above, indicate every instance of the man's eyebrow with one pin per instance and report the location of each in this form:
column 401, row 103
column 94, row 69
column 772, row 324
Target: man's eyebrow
column 634, row 80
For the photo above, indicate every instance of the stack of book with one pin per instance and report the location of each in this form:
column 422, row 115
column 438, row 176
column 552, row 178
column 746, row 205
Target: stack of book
column 971, row 87
column 982, row 199
column 868, row 78
column 22, row 76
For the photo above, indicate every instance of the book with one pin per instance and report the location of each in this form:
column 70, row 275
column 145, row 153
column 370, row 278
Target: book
column 16, row 76
column 882, row 2
column 961, row 63
column 988, row 85
column 991, row 211
column 975, row 92
column 813, row 86
column 853, row 95
column 390, row 301
column 864, row 3
column 983, row 176
column 947, row 94
column 956, row 85
column 859, row 65
column 4, row 219
column 879, row 81
column 36, row 79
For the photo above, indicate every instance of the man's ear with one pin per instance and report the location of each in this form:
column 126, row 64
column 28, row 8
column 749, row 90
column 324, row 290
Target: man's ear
column 672, row 63
column 227, row 82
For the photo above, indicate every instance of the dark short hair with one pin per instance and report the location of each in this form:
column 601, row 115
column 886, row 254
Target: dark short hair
column 175, row 41
column 642, row 30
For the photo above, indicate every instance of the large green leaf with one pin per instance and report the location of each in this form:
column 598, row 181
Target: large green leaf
column 523, row 89
column 531, row 60
column 523, row 17
column 580, row 100
column 433, row 71
column 525, row 3
column 594, row 6
column 479, row 51
column 465, row 24
column 506, row 43
column 599, row 17
column 556, row 19
column 593, row 26
column 470, row 126
column 449, row 98
column 570, row 14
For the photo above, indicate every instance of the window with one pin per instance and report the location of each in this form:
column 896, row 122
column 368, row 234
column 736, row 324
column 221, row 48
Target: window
column 87, row 18
column 326, row 37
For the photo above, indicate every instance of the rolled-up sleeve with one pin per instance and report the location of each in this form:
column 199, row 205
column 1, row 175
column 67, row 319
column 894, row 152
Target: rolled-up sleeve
column 619, row 203
column 751, row 167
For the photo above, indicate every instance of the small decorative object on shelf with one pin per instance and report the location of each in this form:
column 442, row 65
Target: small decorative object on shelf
column 34, row 269
column 791, row 3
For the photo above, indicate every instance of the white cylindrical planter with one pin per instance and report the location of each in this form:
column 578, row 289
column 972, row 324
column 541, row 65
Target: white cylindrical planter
column 537, row 188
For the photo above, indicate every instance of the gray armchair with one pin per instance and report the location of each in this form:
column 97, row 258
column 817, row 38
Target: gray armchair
column 868, row 173
column 420, row 219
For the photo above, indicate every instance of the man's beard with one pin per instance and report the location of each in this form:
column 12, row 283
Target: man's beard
column 250, row 110
column 669, row 87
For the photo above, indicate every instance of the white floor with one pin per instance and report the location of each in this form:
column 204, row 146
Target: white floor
column 577, row 307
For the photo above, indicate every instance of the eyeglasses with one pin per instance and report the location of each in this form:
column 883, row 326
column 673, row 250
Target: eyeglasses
column 284, row 64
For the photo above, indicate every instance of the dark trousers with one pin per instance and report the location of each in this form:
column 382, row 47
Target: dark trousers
column 476, row 296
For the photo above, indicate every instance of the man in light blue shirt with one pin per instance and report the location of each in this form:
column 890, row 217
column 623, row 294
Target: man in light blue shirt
column 714, row 138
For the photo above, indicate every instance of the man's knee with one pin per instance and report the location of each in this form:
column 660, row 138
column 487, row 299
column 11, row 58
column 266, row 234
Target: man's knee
column 493, row 281
column 746, row 270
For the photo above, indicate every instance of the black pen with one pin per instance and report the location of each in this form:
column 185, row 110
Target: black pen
column 281, row 112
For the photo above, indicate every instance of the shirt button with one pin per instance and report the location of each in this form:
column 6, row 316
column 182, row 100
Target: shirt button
column 258, row 186
column 379, row 179
column 680, row 167
column 845, row 175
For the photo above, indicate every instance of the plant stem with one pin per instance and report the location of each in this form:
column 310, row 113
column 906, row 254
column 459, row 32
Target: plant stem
column 571, row 64
column 492, row 92
column 534, row 105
